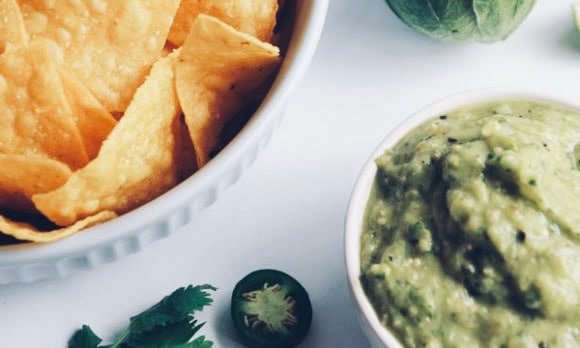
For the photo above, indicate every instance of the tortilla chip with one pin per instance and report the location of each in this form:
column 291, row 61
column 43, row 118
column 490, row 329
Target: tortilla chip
column 23, row 177
column 218, row 73
column 254, row 17
column 109, row 45
column 26, row 232
column 35, row 117
column 184, row 151
column 136, row 163
column 12, row 30
column 93, row 121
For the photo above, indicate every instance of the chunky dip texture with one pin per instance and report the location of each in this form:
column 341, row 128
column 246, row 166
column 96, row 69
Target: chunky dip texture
column 472, row 233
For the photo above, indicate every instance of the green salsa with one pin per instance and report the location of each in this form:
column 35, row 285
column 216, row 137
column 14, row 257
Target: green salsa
column 472, row 232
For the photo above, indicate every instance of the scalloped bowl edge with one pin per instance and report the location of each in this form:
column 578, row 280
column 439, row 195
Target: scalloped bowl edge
column 164, row 215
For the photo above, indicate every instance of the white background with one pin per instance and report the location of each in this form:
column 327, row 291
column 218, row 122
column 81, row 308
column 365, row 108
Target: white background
column 287, row 212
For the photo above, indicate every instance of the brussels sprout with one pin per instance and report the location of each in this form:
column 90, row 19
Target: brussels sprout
column 463, row 20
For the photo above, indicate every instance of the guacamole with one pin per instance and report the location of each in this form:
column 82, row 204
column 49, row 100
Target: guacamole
column 472, row 232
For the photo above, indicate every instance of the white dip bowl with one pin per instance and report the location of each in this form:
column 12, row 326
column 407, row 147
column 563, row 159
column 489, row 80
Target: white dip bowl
column 379, row 335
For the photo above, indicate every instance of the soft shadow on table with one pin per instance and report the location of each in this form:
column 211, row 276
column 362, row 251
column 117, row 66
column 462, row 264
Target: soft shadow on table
column 225, row 326
column 571, row 39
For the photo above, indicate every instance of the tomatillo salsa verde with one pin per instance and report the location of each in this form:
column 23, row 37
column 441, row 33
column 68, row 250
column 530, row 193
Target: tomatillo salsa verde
column 472, row 233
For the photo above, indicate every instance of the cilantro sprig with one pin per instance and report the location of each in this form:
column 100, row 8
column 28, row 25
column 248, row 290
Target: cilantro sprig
column 168, row 324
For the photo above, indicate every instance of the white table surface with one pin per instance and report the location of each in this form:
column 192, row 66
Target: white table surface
column 287, row 212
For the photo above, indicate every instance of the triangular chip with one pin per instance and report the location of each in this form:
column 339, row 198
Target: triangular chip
column 219, row 70
column 22, row 177
column 184, row 152
column 12, row 30
column 35, row 117
column 136, row 163
column 109, row 45
column 93, row 121
column 254, row 17
column 27, row 232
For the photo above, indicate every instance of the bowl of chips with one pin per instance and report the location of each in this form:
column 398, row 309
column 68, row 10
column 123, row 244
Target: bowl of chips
column 122, row 120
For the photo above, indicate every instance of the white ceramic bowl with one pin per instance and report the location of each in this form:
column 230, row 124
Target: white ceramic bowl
column 131, row 232
column 379, row 335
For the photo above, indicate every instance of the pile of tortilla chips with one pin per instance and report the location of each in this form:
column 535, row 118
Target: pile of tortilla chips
column 106, row 104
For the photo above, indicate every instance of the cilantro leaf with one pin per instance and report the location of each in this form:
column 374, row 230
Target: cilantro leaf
column 178, row 306
column 201, row 342
column 175, row 335
column 168, row 324
column 84, row 338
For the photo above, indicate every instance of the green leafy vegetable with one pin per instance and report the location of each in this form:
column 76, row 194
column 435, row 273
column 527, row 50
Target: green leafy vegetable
column 168, row 324
column 175, row 335
column 176, row 307
column 84, row 338
column 463, row 20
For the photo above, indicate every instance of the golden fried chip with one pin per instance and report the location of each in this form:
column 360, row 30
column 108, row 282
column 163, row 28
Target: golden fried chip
column 136, row 163
column 23, row 177
column 218, row 72
column 184, row 152
column 93, row 121
column 12, row 30
column 254, row 17
column 109, row 45
column 35, row 117
column 27, row 232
